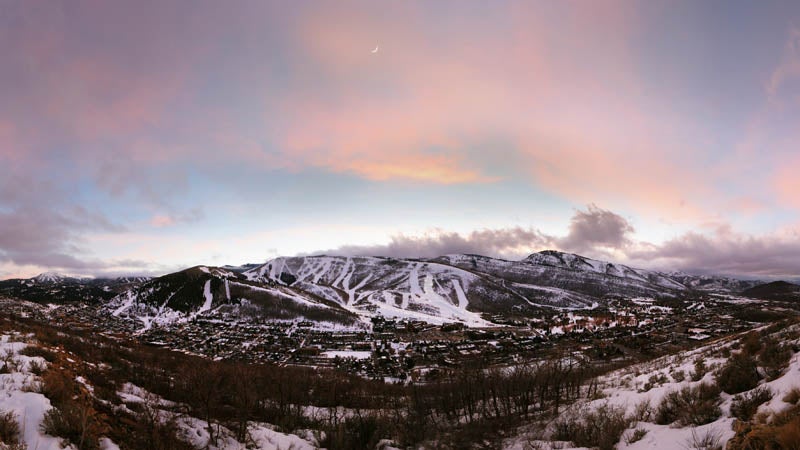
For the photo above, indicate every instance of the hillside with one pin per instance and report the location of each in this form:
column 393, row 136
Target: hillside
column 469, row 289
column 213, row 292
column 776, row 290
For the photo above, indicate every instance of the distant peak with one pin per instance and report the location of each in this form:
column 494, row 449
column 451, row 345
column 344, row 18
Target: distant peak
column 49, row 277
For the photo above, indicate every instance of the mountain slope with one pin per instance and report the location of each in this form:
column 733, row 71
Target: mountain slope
column 462, row 287
column 392, row 287
column 213, row 292
column 776, row 290
column 578, row 279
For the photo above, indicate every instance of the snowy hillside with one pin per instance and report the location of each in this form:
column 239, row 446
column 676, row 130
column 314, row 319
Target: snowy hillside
column 393, row 288
column 732, row 392
column 213, row 292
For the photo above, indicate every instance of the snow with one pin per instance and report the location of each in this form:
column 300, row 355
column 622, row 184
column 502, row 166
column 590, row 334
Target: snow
column 195, row 431
column 207, row 294
column 29, row 407
column 625, row 388
column 108, row 444
column 347, row 354
column 127, row 303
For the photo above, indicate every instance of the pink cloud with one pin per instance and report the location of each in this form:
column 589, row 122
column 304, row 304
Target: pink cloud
column 160, row 221
column 787, row 182
column 414, row 109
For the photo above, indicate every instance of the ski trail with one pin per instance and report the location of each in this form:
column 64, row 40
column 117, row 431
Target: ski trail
column 207, row 293
column 462, row 298
column 324, row 269
column 413, row 280
column 345, row 270
column 127, row 304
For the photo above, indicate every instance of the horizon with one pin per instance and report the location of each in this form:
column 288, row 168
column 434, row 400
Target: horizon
column 322, row 255
column 144, row 138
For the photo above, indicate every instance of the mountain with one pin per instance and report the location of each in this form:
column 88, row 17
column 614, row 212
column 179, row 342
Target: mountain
column 52, row 287
column 414, row 289
column 464, row 287
column 214, row 292
column 343, row 290
column 776, row 290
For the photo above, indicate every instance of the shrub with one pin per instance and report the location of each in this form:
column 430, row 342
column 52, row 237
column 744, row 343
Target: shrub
column 697, row 405
column 58, row 386
column 643, row 411
column 783, row 432
column 679, row 376
column 739, row 374
column 36, row 367
column 751, row 343
column 700, row 369
column 636, row 436
column 745, row 405
column 34, row 350
column 774, row 358
column 707, row 440
column 9, row 428
column 74, row 422
column 793, row 396
column 601, row 427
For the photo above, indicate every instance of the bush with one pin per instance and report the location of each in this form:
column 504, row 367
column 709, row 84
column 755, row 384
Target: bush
column 700, row 369
column 360, row 432
column 774, row 358
column 636, row 436
column 74, row 423
column 601, row 428
column 36, row 367
column 59, row 386
column 697, row 405
column 745, row 405
column 739, row 374
column 793, row 396
column 33, row 350
column 707, row 440
column 643, row 411
column 678, row 376
column 9, row 428
column 783, row 432
column 751, row 343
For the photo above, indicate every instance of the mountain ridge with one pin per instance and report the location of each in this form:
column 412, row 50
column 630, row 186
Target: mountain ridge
column 466, row 288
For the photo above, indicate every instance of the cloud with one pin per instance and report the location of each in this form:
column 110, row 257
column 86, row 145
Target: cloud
column 789, row 67
column 603, row 234
column 509, row 243
column 168, row 220
column 47, row 238
column 596, row 229
column 725, row 252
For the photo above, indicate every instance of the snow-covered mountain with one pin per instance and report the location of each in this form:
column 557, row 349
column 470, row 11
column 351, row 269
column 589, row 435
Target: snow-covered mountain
column 216, row 293
column 50, row 287
column 462, row 287
column 338, row 289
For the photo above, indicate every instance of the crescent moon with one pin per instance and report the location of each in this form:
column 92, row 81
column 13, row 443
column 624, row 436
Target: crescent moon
column 376, row 49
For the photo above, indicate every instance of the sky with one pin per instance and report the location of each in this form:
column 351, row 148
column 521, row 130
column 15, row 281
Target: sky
column 145, row 137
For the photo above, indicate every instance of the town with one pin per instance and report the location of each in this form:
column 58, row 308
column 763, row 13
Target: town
column 403, row 351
